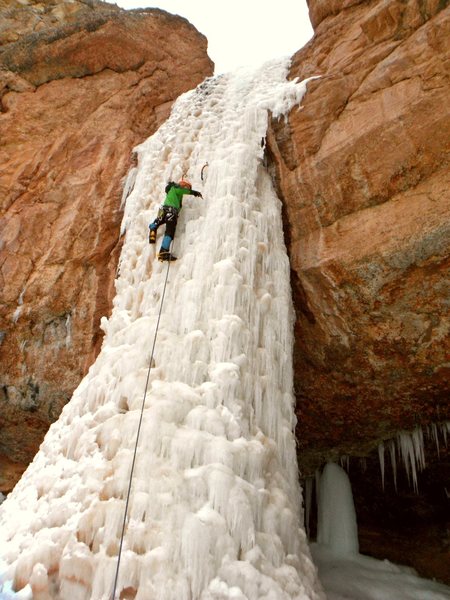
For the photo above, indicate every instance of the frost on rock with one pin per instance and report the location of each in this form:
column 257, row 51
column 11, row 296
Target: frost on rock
column 215, row 505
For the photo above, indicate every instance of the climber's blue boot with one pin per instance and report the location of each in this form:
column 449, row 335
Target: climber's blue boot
column 164, row 251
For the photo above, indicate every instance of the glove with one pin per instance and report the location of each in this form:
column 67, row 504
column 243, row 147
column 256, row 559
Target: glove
column 197, row 194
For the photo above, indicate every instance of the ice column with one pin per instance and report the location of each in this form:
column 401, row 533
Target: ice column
column 337, row 528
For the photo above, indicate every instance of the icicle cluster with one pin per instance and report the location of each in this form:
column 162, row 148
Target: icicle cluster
column 215, row 504
column 406, row 449
column 409, row 446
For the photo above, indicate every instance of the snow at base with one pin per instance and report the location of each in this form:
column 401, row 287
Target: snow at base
column 348, row 575
column 215, row 507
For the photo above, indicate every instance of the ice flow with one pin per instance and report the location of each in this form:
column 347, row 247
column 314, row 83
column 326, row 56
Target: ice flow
column 215, row 506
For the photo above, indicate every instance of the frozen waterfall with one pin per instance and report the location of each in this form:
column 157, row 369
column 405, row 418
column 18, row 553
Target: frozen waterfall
column 337, row 528
column 215, row 506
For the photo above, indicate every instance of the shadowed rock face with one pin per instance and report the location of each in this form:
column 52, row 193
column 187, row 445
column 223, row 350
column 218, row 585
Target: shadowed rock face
column 363, row 172
column 77, row 95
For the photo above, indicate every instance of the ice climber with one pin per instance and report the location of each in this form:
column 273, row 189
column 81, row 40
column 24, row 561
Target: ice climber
column 168, row 214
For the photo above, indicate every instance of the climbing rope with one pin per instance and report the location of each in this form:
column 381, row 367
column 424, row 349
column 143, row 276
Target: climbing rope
column 137, row 437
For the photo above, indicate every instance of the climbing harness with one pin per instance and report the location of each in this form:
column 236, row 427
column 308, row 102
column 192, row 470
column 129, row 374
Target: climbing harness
column 137, row 437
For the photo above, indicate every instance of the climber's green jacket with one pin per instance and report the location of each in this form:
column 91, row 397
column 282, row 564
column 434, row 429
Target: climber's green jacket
column 175, row 195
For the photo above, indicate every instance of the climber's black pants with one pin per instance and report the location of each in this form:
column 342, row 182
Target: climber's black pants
column 169, row 216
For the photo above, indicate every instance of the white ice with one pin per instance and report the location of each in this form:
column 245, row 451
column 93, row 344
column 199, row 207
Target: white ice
column 348, row 575
column 215, row 507
column 336, row 528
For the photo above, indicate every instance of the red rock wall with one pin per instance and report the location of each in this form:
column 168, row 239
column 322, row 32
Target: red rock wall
column 76, row 97
column 363, row 170
column 22, row 17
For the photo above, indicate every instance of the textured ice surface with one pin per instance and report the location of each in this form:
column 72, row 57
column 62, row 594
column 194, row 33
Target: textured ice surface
column 215, row 505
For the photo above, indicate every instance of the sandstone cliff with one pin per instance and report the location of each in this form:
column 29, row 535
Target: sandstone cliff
column 363, row 171
column 80, row 85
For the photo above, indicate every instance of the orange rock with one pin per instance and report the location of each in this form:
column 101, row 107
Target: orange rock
column 363, row 171
column 76, row 100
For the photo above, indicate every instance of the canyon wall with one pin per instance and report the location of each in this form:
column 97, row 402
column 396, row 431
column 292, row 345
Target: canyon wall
column 363, row 170
column 81, row 84
column 363, row 173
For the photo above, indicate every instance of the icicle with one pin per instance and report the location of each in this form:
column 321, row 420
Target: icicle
column 392, row 452
column 345, row 462
column 405, row 450
column 317, row 476
column 17, row 313
column 435, row 435
column 412, row 453
column 68, row 340
column 419, row 449
column 411, row 449
column 20, row 307
column 128, row 185
column 381, row 460
column 445, row 428
column 308, row 503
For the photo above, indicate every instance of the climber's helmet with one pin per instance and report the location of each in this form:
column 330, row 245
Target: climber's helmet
column 184, row 183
